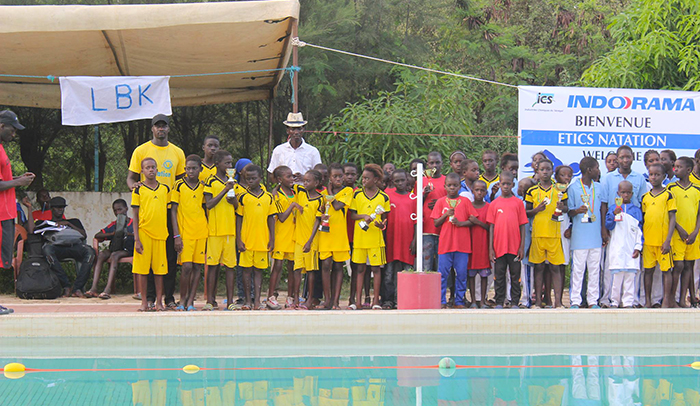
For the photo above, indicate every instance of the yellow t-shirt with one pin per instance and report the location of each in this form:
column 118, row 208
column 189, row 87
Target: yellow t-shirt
column 542, row 224
column 222, row 217
column 656, row 209
column 489, row 182
column 284, row 231
column 255, row 210
column 191, row 218
column 153, row 210
column 304, row 221
column 694, row 179
column 337, row 238
column 687, row 201
column 207, row 171
column 363, row 204
column 170, row 160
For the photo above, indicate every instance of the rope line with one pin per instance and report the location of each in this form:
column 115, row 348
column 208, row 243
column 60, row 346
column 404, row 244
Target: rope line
column 290, row 69
column 418, row 134
column 299, row 43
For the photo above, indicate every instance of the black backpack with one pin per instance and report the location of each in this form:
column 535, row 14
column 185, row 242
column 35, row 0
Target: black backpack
column 35, row 279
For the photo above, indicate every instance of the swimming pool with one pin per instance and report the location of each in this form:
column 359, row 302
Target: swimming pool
column 341, row 370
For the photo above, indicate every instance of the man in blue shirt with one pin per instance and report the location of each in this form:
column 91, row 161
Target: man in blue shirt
column 586, row 234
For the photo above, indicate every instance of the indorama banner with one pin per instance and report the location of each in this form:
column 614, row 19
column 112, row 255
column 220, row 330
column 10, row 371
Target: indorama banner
column 568, row 123
column 87, row 100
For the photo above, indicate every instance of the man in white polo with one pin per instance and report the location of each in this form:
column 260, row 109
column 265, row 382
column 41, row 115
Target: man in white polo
column 299, row 156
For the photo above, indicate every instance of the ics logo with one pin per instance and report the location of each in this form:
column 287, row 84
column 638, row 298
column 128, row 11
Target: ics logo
column 544, row 98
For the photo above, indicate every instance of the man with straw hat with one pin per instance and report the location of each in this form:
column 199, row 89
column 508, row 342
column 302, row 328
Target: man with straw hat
column 299, row 156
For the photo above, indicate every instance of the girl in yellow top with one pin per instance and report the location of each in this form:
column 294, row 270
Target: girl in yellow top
column 255, row 232
column 334, row 247
column 369, row 238
column 283, row 195
column 308, row 218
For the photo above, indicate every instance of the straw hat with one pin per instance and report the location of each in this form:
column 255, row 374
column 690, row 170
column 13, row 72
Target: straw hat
column 295, row 120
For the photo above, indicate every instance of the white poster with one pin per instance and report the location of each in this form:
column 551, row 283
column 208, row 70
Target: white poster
column 568, row 123
column 89, row 100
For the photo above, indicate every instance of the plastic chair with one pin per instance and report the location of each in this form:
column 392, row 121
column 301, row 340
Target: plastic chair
column 20, row 238
column 125, row 260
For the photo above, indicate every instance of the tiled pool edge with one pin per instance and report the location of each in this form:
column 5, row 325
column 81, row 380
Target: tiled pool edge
column 349, row 323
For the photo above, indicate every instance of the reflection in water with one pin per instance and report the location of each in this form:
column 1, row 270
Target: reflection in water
column 359, row 381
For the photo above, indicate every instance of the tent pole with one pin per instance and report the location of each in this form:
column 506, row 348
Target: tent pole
column 97, row 159
column 295, row 62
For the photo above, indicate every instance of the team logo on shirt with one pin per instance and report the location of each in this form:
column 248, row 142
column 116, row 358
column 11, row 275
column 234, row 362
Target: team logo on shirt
column 168, row 164
column 499, row 211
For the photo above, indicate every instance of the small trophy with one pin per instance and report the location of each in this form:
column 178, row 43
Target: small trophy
column 377, row 212
column 325, row 224
column 618, row 203
column 586, row 202
column 453, row 203
column 561, row 188
column 231, row 172
column 429, row 173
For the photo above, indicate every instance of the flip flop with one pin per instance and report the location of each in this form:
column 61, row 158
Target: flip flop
column 302, row 307
column 245, row 307
column 103, row 296
column 336, row 308
column 91, row 294
column 352, row 307
column 376, row 307
column 191, row 309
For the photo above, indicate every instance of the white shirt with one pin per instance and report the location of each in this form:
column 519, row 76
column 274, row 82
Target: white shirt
column 299, row 160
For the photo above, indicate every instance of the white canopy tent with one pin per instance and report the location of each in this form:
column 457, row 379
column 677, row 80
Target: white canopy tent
column 148, row 40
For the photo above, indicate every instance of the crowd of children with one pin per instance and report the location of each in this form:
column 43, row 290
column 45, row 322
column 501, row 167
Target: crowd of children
column 614, row 231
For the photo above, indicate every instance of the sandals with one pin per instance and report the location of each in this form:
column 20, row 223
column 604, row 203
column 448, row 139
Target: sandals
column 352, row 307
column 245, row 307
column 191, row 309
column 289, row 304
column 103, row 296
column 376, row 307
column 171, row 306
column 231, row 307
column 90, row 294
column 136, row 296
column 180, row 308
column 208, row 307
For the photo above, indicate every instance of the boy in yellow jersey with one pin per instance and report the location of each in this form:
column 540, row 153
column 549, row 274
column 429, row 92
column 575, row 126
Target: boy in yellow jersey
column 255, row 233
column 284, row 230
column 540, row 204
column 695, row 174
column 684, row 244
column 369, row 208
column 489, row 159
column 659, row 209
column 150, row 202
column 220, row 197
column 333, row 244
column 210, row 146
column 189, row 221
column 307, row 220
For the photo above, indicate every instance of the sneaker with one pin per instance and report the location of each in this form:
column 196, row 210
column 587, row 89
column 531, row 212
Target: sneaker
column 273, row 304
column 595, row 307
column 474, row 306
column 573, row 307
column 5, row 310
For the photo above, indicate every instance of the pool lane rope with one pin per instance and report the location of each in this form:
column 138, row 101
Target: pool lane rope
column 446, row 366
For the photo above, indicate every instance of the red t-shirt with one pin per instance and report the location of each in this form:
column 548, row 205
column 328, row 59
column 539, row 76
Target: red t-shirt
column 42, row 215
column 8, row 203
column 438, row 192
column 479, row 259
column 506, row 215
column 453, row 238
column 400, row 228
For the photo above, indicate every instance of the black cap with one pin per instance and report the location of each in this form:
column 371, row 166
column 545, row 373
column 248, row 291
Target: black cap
column 160, row 117
column 8, row 117
column 58, row 201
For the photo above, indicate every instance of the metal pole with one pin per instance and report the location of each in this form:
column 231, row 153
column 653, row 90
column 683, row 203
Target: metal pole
column 419, row 218
column 270, row 122
column 295, row 62
column 97, row 158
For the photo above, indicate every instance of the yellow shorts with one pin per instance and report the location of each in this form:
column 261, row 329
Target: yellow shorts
column 682, row 251
column 153, row 257
column 652, row 255
column 546, row 249
column 307, row 261
column 376, row 256
column 338, row 256
column 254, row 259
column 193, row 251
column 221, row 250
column 280, row 255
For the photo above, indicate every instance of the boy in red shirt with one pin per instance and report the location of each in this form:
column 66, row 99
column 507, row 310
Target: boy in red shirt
column 433, row 189
column 451, row 215
column 400, row 235
column 479, row 262
column 507, row 218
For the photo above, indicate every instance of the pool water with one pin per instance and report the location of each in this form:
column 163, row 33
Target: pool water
column 547, row 380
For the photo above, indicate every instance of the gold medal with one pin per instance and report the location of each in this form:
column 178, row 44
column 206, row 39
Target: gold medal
column 593, row 218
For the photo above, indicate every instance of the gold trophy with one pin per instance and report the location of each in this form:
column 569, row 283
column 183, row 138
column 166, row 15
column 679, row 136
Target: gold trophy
column 231, row 172
column 453, row 203
column 561, row 188
column 377, row 212
column 618, row 203
column 586, row 202
column 429, row 173
column 325, row 224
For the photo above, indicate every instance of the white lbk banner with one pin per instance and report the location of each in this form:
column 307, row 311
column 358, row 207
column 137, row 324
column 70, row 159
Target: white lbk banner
column 87, row 100
column 568, row 123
